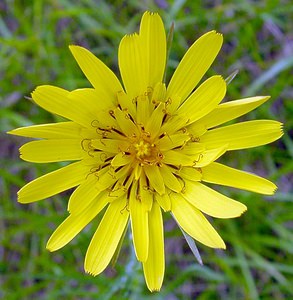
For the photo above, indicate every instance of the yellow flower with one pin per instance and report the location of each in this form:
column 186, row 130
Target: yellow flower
column 143, row 147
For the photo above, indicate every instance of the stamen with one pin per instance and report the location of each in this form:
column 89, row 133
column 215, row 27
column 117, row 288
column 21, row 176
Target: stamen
column 126, row 179
column 108, row 159
column 168, row 102
column 118, row 131
column 195, row 139
column 129, row 190
column 112, row 114
column 82, row 144
column 103, row 156
column 164, row 118
column 174, row 167
column 118, row 169
column 200, row 157
column 131, row 118
column 95, row 123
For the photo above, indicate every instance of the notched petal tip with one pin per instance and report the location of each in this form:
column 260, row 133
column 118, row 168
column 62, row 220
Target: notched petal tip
column 215, row 33
column 129, row 37
column 282, row 128
column 222, row 246
column 50, row 248
column 154, row 290
column 265, row 98
column 20, row 195
column 74, row 48
column 36, row 91
column 89, row 272
column 21, row 153
column 77, row 51
column 150, row 13
column 272, row 189
column 243, row 211
column 221, row 79
column 13, row 131
column 275, row 190
column 21, row 201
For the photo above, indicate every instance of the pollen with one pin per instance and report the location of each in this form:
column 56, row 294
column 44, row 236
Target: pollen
column 142, row 149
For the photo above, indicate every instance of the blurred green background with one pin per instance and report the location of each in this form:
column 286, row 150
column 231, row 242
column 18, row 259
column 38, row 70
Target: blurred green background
column 258, row 41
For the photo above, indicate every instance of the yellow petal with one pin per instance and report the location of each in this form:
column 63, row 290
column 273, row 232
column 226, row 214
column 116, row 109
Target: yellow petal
column 206, row 157
column 139, row 226
column 230, row 110
column 211, row 202
column 205, row 98
column 224, row 175
column 132, row 65
column 194, row 223
column 91, row 107
column 121, row 159
column 156, row 180
column 145, row 193
column 53, row 183
column 62, row 130
column 105, row 240
column 190, row 173
column 111, row 176
column 99, row 75
column 193, row 148
column 170, row 179
column 52, row 98
column 243, row 135
column 164, row 201
column 153, row 39
column 154, row 123
column 126, row 103
column 175, row 123
column 52, row 150
column 96, row 182
column 56, row 101
column 154, row 267
column 196, row 130
column 159, row 93
column 84, row 195
column 173, row 141
column 194, row 64
column 143, row 109
column 177, row 158
column 110, row 145
column 74, row 223
column 127, row 127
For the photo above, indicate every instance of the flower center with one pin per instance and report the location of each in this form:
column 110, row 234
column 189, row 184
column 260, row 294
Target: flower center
column 142, row 149
column 146, row 151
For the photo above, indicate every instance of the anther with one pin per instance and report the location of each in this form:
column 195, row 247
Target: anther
column 198, row 159
column 112, row 114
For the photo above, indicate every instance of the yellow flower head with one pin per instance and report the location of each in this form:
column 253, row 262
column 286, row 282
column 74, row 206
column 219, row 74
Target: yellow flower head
column 144, row 147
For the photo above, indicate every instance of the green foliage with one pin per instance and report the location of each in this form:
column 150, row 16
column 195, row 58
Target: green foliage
column 34, row 41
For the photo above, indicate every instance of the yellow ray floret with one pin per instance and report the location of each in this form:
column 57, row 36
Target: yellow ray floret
column 154, row 267
column 106, row 238
column 194, row 223
column 194, row 64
